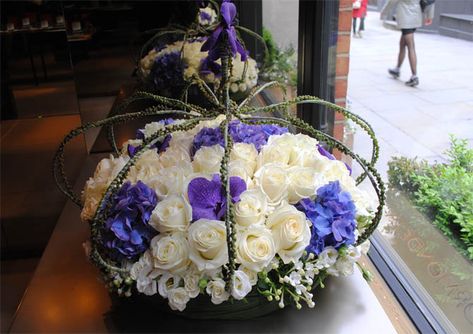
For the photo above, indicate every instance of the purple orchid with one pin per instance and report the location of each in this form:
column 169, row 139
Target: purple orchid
column 332, row 214
column 225, row 32
column 329, row 155
column 207, row 198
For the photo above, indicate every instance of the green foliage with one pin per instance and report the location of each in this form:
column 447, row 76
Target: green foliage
column 442, row 191
column 280, row 65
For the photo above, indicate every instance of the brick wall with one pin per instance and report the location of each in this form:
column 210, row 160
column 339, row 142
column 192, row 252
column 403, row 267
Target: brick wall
column 342, row 65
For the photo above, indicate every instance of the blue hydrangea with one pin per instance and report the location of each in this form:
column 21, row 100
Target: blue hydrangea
column 332, row 214
column 127, row 233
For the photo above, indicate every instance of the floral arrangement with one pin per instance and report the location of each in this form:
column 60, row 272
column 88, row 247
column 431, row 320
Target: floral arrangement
column 227, row 203
column 169, row 67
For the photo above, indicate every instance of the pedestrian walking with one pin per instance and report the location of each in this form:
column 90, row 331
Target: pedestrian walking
column 359, row 12
column 409, row 16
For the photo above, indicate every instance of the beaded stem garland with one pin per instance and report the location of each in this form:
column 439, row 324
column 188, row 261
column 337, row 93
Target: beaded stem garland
column 329, row 224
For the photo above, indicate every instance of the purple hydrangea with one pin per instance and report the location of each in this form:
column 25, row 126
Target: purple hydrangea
column 329, row 155
column 257, row 135
column 161, row 146
column 168, row 72
column 127, row 233
column 207, row 198
column 332, row 214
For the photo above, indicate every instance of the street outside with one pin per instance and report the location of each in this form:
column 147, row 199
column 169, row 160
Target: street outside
column 416, row 122
column 412, row 122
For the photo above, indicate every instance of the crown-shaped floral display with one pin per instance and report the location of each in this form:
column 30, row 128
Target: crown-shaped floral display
column 224, row 210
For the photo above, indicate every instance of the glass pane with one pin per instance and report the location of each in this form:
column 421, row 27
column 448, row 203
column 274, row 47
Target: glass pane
column 429, row 218
column 280, row 30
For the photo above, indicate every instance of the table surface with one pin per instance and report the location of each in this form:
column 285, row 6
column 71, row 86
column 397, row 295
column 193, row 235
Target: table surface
column 66, row 295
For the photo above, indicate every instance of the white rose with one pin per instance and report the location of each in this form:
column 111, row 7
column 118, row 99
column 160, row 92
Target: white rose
column 174, row 156
column 241, row 285
column 303, row 151
column 277, row 150
column 207, row 159
column 151, row 128
column 238, row 168
column 255, row 247
column 334, row 170
column 251, row 208
column 181, row 140
column 247, row 154
column 171, row 214
column 208, row 244
column 146, row 168
column 272, row 181
column 216, row 289
column 89, row 209
column 144, row 274
column 95, row 187
column 166, row 283
column 303, row 182
column 171, row 181
column 178, row 299
column 291, row 232
column 252, row 275
column 170, row 252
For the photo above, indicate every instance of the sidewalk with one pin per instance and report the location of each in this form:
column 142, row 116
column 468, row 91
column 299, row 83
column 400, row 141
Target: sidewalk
column 412, row 122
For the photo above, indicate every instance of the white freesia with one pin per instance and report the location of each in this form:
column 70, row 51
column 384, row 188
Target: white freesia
column 255, row 247
column 170, row 252
column 271, row 180
column 178, row 298
column 291, row 232
column 207, row 159
column 303, row 182
column 166, row 283
column 208, row 244
column 217, row 292
column 327, row 258
column 251, row 208
column 172, row 214
column 144, row 274
column 247, row 154
column 241, row 285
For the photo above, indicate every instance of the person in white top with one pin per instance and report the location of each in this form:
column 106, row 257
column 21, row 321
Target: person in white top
column 409, row 16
